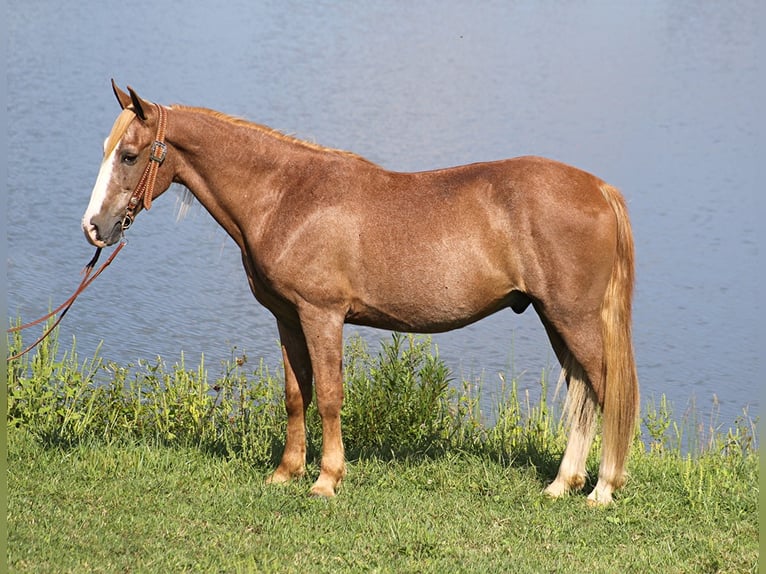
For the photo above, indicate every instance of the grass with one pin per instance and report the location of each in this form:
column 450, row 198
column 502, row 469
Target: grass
column 150, row 468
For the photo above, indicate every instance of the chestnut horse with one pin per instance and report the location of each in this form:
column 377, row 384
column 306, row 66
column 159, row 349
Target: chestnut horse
column 329, row 238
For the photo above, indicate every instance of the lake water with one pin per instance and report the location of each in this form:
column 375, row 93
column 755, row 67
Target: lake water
column 658, row 98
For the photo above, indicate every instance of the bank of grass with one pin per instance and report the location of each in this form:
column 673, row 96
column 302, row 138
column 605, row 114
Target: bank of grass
column 157, row 468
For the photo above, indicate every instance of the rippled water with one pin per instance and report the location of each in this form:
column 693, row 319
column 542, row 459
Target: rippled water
column 656, row 98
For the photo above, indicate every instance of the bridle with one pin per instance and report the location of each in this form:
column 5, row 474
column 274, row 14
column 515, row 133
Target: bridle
column 142, row 193
column 145, row 188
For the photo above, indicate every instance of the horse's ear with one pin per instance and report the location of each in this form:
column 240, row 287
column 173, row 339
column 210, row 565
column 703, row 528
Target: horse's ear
column 138, row 104
column 122, row 97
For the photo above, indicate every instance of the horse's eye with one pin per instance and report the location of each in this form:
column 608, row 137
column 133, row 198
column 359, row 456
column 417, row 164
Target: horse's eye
column 129, row 158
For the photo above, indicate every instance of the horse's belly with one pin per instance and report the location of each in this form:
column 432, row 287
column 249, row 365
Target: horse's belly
column 420, row 321
column 430, row 307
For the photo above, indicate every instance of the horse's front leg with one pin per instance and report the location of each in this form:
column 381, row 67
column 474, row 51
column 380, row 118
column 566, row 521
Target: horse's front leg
column 298, row 376
column 324, row 338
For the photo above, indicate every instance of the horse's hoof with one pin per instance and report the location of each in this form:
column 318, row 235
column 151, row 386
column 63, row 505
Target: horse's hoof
column 321, row 493
column 556, row 490
column 562, row 486
column 282, row 477
column 323, row 488
column 599, row 498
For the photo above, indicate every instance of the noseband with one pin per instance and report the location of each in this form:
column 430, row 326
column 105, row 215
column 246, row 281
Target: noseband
column 145, row 188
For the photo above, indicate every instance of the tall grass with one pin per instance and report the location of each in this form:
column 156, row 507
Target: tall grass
column 400, row 402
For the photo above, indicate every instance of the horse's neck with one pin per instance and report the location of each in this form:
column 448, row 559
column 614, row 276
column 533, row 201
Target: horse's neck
column 229, row 168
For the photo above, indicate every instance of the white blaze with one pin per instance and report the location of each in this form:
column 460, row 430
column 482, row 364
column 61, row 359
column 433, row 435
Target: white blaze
column 98, row 195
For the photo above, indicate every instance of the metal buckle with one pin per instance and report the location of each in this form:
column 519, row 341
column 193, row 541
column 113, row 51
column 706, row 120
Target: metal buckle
column 158, row 152
column 127, row 221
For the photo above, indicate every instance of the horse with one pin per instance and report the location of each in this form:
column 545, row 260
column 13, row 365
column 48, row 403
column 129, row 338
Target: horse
column 328, row 238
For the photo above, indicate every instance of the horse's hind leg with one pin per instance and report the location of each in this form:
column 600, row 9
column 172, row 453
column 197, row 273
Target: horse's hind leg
column 298, row 376
column 581, row 409
column 581, row 420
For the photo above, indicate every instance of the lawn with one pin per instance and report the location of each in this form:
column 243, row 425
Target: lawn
column 151, row 468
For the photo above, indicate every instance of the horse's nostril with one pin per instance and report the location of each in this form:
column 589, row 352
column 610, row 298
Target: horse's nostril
column 92, row 230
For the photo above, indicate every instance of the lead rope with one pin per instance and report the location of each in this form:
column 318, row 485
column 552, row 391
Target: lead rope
column 66, row 305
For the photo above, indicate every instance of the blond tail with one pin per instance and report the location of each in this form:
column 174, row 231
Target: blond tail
column 621, row 397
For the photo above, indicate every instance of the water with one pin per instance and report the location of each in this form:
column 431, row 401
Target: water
column 657, row 98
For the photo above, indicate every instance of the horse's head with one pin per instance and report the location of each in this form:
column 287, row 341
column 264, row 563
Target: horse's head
column 127, row 180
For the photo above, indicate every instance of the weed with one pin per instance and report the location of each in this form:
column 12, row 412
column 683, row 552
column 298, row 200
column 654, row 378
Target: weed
column 399, row 403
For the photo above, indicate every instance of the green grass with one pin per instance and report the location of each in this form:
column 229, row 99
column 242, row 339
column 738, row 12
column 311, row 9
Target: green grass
column 150, row 468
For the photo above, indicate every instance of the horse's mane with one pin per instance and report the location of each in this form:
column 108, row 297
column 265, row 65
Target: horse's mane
column 118, row 129
column 269, row 131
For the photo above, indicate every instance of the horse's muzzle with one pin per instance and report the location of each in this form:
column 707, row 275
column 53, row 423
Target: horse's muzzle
column 96, row 237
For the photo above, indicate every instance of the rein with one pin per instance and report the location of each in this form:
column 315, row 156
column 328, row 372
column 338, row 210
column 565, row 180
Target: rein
column 66, row 305
column 143, row 191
